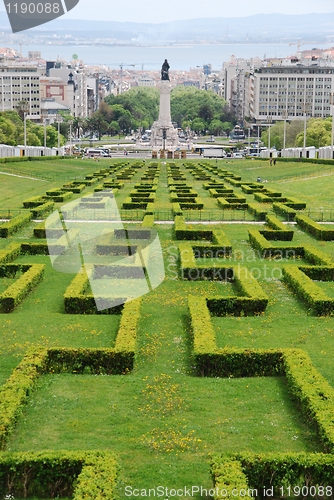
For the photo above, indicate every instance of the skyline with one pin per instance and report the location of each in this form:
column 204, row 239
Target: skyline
column 150, row 11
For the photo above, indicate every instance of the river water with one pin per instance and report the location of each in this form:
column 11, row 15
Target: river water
column 180, row 57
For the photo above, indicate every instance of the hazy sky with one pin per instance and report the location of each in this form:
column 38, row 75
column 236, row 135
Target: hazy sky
column 155, row 11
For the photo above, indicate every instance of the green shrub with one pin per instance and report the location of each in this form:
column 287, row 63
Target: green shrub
column 314, row 297
column 258, row 241
column 10, row 253
column 16, row 292
column 148, row 221
column 55, row 474
column 285, row 210
column 313, row 393
column 13, row 225
column 317, row 230
column 229, row 477
column 15, row 392
column 259, row 213
column 279, row 471
column 43, row 209
column 78, row 301
column 33, row 202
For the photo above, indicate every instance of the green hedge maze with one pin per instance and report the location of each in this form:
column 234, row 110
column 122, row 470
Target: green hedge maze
column 218, row 383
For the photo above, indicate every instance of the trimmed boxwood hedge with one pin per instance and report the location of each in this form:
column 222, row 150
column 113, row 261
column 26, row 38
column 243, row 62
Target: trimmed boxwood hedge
column 314, row 297
column 317, row 230
column 258, row 241
column 285, row 210
column 251, row 473
column 14, row 224
column 33, row 202
column 15, row 392
column 43, row 209
column 15, row 293
column 311, row 391
column 54, row 474
column 10, row 253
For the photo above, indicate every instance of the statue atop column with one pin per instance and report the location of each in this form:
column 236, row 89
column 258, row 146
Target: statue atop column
column 164, row 71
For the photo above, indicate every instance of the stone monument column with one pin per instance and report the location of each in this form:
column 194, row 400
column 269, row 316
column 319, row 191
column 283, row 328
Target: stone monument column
column 163, row 134
column 164, row 108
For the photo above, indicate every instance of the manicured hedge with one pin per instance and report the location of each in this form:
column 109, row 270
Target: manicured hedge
column 33, row 202
column 127, row 333
column 101, row 361
column 285, row 210
column 128, row 204
column 259, row 242
column 54, row 474
column 314, row 297
column 78, row 300
column 251, row 473
column 277, row 231
column 316, row 257
column 15, row 293
column 313, row 393
column 229, row 479
column 43, row 209
column 317, row 230
column 259, row 213
column 266, row 198
column 148, row 221
column 15, row 392
column 182, row 232
column 13, row 225
column 61, row 197
column 10, row 253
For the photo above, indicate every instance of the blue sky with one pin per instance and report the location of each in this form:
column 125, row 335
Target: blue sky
column 155, row 11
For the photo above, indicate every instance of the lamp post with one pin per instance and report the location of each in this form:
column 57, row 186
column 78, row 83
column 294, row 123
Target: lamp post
column 304, row 107
column 44, row 114
column 285, row 117
column 70, row 123
column 269, row 121
column 25, row 106
column 331, row 100
column 58, row 119
column 164, row 137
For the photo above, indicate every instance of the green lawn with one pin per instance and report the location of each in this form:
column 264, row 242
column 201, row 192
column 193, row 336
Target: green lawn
column 161, row 420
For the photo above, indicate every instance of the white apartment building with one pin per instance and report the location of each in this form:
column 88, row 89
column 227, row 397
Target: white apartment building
column 288, row 92
column 17, row 84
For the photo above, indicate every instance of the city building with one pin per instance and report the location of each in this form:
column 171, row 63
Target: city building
column 289, row 92
column 19, row 84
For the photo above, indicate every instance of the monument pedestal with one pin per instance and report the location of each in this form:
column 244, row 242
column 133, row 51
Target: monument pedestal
column 163, row 134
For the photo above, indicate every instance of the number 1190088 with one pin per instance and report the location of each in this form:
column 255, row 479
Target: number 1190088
column 33, row 8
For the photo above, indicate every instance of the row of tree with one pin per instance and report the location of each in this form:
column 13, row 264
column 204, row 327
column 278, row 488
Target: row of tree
column 318, row 133
column 12, row 131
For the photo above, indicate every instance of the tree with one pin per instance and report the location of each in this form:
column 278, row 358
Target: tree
column 141, row 104
column 198, row 125
column 97, row 124
column 189, row 103
column 318, row 133
column 114, row 127
column 125, row 124
column 277, row 134
column 216, row 127
column 206, row 112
